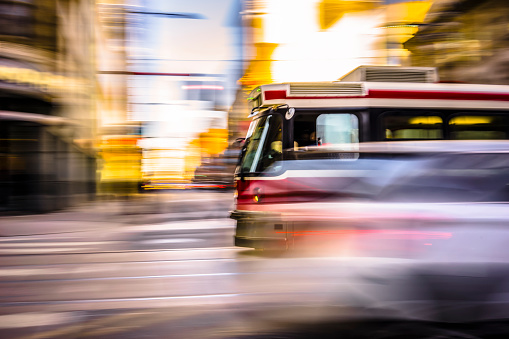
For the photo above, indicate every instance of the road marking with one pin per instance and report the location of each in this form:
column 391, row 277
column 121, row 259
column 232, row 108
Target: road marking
column 50, row 270
column 159, row 254
column 132, row 299
column 126, row 262
column 192, row 275
column 42, row 250
column 35, row 319
column 54, row 247
column 53, row 244
column 222, row 223
column 171, row 241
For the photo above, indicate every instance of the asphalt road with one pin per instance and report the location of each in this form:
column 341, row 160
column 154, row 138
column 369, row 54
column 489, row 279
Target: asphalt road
column 185, row 279
column 180, row 279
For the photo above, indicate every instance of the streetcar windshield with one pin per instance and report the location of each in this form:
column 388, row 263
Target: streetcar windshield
column 264, row 144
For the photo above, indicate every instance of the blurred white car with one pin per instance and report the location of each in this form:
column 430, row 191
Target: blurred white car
column 412, row 231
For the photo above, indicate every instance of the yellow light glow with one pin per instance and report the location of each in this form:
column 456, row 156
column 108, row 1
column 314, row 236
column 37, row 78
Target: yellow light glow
column 470, row 120
column 425, row 120
column 41, row 80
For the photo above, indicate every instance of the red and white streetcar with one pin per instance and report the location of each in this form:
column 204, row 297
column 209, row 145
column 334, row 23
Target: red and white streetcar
column 317, row 121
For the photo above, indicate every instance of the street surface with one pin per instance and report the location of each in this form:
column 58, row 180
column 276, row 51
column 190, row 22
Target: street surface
column 125, row 278
column 164, row 266
column 91, row 284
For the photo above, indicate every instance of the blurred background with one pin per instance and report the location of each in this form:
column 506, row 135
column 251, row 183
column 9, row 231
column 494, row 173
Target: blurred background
column 119, row 121
column 113, row 98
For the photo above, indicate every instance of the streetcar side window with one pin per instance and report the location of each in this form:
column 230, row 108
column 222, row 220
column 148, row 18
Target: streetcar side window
column 263, row 145
column 326, row 129
column 480, row 127
column 403, row 126
column 337, row 129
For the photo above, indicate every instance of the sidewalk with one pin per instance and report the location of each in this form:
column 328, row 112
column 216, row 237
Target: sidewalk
column 149, row 208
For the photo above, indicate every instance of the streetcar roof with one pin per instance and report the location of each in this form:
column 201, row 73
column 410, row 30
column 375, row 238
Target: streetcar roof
column 342, row 94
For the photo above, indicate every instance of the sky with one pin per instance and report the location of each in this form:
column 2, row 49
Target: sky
column 167, row 44
column 189, row 45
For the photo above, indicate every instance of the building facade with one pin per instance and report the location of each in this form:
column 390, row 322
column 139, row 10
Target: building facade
column 467, row 40
column 47, row 113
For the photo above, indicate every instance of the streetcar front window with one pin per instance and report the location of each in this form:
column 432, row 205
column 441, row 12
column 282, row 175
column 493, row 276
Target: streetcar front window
column 263, row 144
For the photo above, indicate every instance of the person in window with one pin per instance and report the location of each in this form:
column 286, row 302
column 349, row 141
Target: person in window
column 307, row 138
column 312, row 139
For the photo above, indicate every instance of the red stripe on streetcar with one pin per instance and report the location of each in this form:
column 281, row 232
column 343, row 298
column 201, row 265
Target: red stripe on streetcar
column 391, row 94
column 271, row 95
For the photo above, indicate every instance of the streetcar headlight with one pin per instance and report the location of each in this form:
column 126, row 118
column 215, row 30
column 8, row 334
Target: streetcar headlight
column 257, row 195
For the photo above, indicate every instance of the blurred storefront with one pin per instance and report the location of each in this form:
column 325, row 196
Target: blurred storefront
column 120, row 163
column 47, row 114
column 119, row 152
column 466, row 39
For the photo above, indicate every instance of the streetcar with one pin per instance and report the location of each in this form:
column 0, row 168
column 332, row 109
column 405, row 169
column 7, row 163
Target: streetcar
column 330, row 120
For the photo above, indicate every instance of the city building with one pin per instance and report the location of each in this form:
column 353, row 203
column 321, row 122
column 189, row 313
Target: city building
column 181, row 61
column 467, row 40
column 47, row 110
